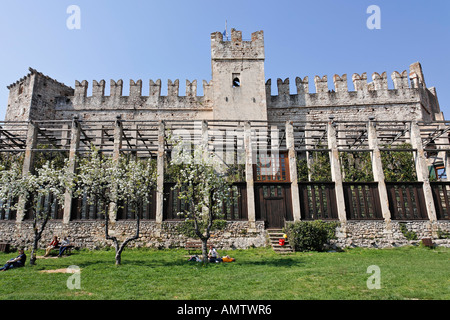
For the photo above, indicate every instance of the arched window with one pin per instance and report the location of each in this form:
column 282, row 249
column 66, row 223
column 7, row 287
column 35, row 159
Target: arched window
column 236, row 80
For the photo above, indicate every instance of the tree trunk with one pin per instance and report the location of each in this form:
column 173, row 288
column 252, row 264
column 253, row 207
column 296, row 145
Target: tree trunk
column 120, row 248
column 124, row 244
column 108, row 237
column 118, row 257
column 37, row 236
column 33, row 252
column 203, row 237
column 205, row 250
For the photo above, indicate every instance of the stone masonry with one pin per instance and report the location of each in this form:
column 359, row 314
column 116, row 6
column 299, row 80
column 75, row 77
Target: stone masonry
column 237, row 91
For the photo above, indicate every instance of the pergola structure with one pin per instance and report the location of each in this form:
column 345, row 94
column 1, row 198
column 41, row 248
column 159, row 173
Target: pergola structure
column 270, row 187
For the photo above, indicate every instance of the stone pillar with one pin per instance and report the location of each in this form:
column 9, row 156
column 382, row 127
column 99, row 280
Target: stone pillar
column 74, row 145
column 134, row 138
column 336, row 174
column 422, row 170
column 251, row 212
column 65, row 135
column 117, row 145
column 160, row 172
column 118, row 134
column 28, row 161
column 377, row 169
column 308, row 154
column 292, row 158
column 204, row 138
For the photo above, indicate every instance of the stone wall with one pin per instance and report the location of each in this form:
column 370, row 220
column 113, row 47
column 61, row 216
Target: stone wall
column 91, row 234
column 238, row 80
column 38, row 97
column 135, row 106
column 236, row 235
column 34, row 97
column 379, row 234
column 403, row 102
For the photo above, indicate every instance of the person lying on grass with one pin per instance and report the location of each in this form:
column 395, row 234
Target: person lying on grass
column 17, row 262
column 224, row 259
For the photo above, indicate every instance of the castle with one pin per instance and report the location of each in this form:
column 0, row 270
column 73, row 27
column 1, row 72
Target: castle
column 238, row 90
column 237, row 102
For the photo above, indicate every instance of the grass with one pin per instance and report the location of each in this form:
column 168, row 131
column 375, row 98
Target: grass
column 257, row 274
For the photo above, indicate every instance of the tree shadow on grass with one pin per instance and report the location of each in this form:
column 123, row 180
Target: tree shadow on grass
column 273, row 262
column 282, row 262
column 176, row 260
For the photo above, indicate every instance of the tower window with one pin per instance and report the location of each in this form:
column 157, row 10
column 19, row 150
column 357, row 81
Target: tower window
column 21, row 88
column 236, row 80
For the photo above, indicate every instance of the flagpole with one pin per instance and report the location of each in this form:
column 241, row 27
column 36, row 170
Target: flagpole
column 226, row 29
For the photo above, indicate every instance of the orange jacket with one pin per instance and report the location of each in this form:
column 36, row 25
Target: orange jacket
column 227, row 259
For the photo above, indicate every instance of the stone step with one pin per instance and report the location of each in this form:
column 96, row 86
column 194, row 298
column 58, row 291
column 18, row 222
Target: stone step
column 276, row 239
column 274, row 230
column 285, row 250
column 274, row 236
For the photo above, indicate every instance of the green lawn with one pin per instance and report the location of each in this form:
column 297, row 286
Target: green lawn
column 257, row 274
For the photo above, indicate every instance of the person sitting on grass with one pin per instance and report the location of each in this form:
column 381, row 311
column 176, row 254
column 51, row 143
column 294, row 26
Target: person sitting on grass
column 64, row 244
column 51, row 246
column 17, row 262
column 213, row 256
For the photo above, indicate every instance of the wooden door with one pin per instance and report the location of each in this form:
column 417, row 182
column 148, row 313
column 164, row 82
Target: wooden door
column 273, row 204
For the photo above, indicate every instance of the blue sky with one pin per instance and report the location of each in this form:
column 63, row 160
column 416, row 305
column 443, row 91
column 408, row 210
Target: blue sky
column 138, row 39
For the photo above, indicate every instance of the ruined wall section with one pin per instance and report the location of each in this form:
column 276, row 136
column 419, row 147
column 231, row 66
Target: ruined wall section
column 98, row 106
column 406, row 101
column 45, row 92
column 34, row 97
column 19, row 99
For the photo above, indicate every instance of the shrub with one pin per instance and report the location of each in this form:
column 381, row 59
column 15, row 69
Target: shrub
column 409, row 235
column 356, row 167
column 318, row 170
column 398, row 165
column 311, row 235
column 443, row 234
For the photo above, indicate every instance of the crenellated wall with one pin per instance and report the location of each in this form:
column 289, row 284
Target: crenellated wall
column 407, row 97
column 238, row 90
column 152, row 107
column 404, row 102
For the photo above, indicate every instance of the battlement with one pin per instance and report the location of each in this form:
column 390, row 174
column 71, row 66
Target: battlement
column 379, row 83
column 237, row 48
column 405, row 88
column 136, row 100
column 116, row 88
column 360, row 83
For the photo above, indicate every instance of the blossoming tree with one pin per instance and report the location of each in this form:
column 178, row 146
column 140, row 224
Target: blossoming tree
column 109, row 181
column 202, row 186
column 49, row 179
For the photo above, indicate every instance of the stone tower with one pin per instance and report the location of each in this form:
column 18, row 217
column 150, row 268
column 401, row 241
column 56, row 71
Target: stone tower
column 34, row 96
column 238, row 77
